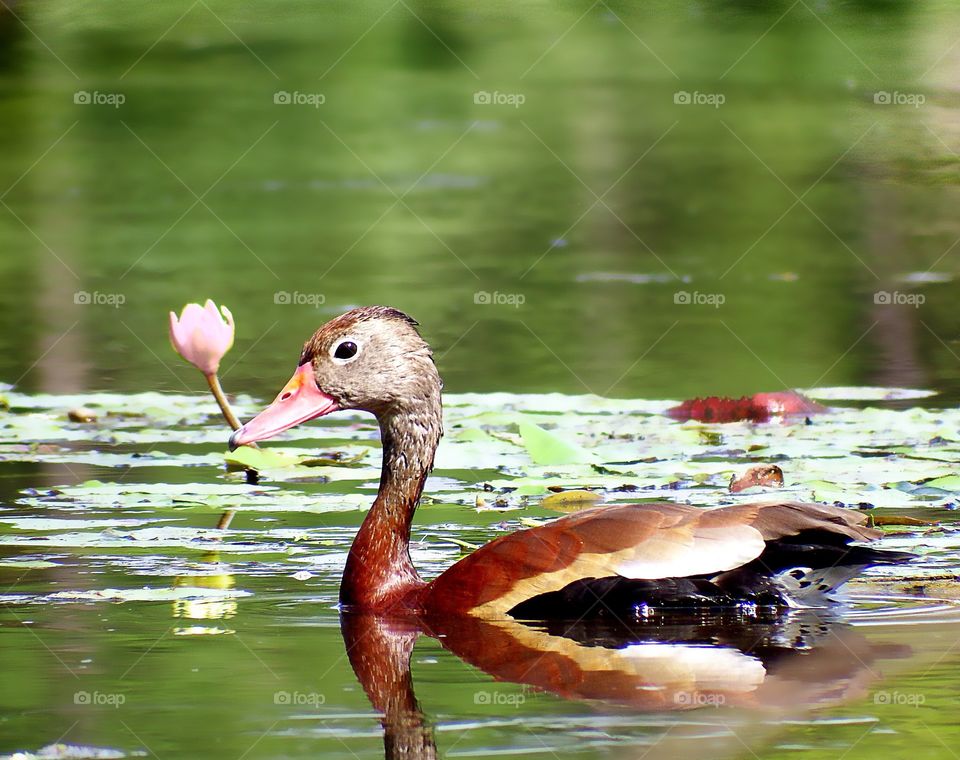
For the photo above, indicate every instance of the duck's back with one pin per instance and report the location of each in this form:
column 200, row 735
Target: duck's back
column 622, row 558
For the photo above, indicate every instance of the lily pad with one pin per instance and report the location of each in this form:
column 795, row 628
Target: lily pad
column 571, row 501
column 945, row 483
column 162, row 488
column 260, row 459
column 28, row 564
column 864, row 393
column 547, row 448
column 72, row 752
column 145, row 594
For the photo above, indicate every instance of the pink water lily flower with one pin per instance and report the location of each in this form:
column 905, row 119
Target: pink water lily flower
column 202, row 336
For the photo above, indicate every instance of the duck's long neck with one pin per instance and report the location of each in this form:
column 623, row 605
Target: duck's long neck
column 379, row 573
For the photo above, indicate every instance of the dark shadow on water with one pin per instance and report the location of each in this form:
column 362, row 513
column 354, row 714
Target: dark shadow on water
column 769, row 669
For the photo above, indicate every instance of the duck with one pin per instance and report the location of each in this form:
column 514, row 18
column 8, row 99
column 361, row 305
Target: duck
column 615, row 560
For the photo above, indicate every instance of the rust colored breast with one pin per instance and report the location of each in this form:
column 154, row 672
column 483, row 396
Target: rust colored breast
column 493, row 570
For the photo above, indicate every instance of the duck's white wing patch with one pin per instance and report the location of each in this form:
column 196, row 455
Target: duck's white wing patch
column 676, row 554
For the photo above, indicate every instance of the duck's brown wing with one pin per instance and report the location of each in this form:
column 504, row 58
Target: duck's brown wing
column 636, row 541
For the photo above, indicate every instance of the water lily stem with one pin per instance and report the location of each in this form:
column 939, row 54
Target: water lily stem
column 214, row 382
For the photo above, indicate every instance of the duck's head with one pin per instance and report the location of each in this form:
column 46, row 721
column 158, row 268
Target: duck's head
column 371, row 359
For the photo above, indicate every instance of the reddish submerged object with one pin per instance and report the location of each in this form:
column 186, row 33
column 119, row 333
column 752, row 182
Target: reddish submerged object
column 759, row 407
column 606, row 560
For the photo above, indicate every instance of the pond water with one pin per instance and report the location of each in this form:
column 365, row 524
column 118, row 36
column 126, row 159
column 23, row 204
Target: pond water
column 131, row 622
column 658, row 203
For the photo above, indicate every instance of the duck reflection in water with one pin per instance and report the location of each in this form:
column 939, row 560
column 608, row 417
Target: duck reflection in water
column 766, row 670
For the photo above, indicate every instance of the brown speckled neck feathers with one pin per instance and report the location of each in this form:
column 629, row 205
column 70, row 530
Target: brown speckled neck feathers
column 379, row 573
column 379, row 570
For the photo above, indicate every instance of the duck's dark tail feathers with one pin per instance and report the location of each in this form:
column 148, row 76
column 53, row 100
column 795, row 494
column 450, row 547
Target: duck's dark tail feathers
column 806, row 569
column 790, row 573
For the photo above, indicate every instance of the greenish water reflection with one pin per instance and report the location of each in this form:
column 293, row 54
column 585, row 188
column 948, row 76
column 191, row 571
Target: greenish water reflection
column 796, row 200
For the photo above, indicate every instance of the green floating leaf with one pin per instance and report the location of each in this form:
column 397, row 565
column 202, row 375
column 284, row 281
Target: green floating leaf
column 571, row 501
column 531, row 489
column 285, row 465
column 861, row 393
column 260, row 459
column 28, row 564
column 522, row 446
column 546, row 448
column 710, row 438
column 471, row 434
column 946, row 483
column 145, row 594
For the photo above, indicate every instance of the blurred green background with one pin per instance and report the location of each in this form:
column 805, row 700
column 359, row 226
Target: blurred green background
column 149, row 156
column 589, row 166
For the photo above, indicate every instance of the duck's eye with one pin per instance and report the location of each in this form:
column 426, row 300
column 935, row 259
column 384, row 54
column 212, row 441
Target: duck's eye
column 345, row 350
